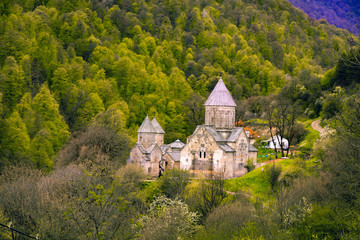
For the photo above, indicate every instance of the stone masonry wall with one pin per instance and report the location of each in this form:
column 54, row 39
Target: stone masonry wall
column 220, row 117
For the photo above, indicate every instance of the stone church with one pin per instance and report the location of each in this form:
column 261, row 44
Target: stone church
column 217, row 147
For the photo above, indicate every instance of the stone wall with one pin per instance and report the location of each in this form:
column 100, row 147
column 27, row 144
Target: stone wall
column 135, row 155
column 146, row 139
column 220, row 117
column 202, row 155
column 198, row 151
column 159, row 139
column 170, row 162
column 155, row 157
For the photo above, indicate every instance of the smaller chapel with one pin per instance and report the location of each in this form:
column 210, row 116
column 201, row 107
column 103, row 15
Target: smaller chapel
column 217, row 147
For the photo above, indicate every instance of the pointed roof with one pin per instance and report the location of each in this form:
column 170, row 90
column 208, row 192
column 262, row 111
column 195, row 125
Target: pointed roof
column 146, row 126
column 177, row 144
column 226, row 147
column 220, row 141
column 157, row 126
column 175, row 156
column 141, row 148
column 151, row 148
column 215, row 134
column 220, row 96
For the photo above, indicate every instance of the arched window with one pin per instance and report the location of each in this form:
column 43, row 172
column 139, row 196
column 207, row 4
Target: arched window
column 202, row 151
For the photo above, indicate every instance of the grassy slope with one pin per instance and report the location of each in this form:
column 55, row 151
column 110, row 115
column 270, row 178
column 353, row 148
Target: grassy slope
column 257, row 186
column 311, row 136
column 253, row 183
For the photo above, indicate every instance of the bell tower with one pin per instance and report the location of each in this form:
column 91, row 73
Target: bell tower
column 220, row 109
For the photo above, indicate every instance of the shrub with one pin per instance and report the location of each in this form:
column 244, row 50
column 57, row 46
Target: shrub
column 167, row 219
column 205, row 195
column 173, row 182
column 226, row 221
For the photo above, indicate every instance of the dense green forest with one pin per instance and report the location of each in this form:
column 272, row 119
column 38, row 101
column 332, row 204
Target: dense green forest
column 77, row 78
column 66, row 65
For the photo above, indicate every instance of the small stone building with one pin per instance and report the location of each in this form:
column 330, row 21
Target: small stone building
column 147, row 152
column 217, row 147
column 171, row 154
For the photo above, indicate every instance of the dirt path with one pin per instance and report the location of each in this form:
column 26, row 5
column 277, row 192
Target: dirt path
column 316, row 125
column 274, row 160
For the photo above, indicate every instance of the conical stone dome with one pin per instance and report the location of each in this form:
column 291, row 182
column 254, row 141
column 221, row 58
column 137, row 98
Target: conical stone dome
column 220, row 96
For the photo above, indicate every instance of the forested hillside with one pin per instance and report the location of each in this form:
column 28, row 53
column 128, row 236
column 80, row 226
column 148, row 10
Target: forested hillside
column 77, row 78
column 66, row 65
column 342, row 13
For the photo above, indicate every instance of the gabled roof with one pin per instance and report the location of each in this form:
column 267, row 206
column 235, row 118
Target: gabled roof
column 234, row 135
column 144, row 150
column 220, row 141
column 175, row 155
column 252, row 148
column 220, row 96
column 177, row 144
column 141, row 147
column 164, row 149
column 226, row 147
column 157, row 126
column 212, row 131
column 197, row 128
column 151, row 148
column 146, row 126
column 216, row 135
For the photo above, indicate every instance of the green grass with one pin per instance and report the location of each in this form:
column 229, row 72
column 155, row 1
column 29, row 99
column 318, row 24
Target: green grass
column 252, row 183
column 262, row 152
column 311, row 136
column 255, row 184
column 257, row 121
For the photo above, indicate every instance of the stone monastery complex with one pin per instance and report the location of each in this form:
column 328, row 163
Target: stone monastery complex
column 217, row 147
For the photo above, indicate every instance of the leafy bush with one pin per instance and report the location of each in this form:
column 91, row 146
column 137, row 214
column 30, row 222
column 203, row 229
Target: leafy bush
column 173, row 182
column 205, row 195
column 167, row 219
column 227, row 220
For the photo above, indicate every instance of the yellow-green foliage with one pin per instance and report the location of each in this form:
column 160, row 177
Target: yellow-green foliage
column 152, row 55
column 16, row 141
column 5, row 233
column 149, row 190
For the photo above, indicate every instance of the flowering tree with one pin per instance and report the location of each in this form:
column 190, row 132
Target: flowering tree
column 167, row 219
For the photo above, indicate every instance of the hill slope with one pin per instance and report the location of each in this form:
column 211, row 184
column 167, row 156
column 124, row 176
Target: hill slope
column 69, row 64
column 343, row 14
